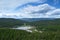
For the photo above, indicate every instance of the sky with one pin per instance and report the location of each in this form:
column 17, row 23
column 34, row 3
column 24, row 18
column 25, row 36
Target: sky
column 29, row 9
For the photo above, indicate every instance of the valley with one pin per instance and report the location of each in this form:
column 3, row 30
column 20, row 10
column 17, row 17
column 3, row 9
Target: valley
column 15, row 29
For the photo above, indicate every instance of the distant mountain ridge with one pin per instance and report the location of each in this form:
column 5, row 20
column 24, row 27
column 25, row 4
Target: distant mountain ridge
column 36, row 19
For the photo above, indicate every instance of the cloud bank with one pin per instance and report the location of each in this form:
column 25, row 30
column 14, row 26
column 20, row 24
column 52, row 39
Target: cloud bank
column 9, row 5
column 39, row 11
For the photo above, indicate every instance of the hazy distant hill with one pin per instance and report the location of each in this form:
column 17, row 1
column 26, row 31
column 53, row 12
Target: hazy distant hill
column 36, row 19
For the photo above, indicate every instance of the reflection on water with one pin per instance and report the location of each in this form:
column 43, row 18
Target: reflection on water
column 27, row 28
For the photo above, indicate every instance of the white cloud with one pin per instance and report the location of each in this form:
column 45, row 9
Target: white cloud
column 40, row 11
column 8, row 5
column 44, row 7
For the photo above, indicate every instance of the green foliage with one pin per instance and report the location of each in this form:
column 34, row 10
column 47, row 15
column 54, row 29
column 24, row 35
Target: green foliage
column 46, row 25
column 50, row 28
column 10, row 34
column 9, row 22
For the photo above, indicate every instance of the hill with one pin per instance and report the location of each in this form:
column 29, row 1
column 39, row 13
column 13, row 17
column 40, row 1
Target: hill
column 9, row 22
column 47, row 24
column 47, row 30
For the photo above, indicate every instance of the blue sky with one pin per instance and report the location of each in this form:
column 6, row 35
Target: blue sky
column 30, row 8
column 55, row 3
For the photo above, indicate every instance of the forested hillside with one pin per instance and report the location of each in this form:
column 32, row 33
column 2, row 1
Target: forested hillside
column 45, row 29
column 9, row 22
column 47, row 24
column 10, row 34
